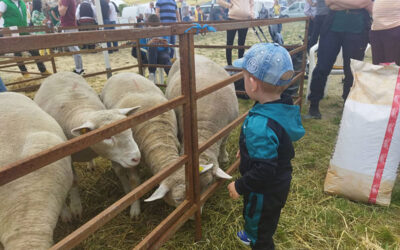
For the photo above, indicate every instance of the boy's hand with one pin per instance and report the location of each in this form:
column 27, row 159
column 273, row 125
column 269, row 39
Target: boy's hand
column 238, row 154
column 232, row 191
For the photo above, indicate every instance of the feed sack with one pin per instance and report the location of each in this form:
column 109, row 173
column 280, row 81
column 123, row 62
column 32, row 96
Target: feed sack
column 367, row 152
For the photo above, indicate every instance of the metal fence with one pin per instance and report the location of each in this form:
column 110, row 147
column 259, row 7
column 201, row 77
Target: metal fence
column 190, row 158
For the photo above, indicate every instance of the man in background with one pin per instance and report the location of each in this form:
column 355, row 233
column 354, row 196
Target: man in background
column 67, row 10
column 168, row 12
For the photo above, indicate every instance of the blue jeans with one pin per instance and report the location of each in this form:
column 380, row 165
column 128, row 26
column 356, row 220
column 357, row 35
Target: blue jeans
column 353, row 46
column 2, row 86
column 107, row 21
column 159, row 57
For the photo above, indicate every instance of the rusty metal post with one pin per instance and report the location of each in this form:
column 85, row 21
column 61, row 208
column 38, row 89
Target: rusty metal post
column 139, row 57
column 188, row 81
column 53, row 62
column 303, row 66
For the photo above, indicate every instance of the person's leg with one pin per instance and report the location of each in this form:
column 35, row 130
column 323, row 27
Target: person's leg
column 389, row 40
column 354, row 46
column 377, row 47
column 164, row 59
column 39, row 64
column 77, row 58
column 115, row 43
column 21, row 65
column 153, row 58
column 230, row 37
column 172, row 50
column 242, row 33
column 107, row 21
column 329, row 47
column 318, row 21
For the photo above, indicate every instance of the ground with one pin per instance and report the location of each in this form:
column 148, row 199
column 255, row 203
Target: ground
column 311, row 219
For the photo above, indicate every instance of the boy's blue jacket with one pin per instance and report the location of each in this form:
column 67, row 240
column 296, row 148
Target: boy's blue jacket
column 266, row 147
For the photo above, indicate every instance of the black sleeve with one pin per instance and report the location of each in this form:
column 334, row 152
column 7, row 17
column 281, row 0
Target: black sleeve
column 258, row 178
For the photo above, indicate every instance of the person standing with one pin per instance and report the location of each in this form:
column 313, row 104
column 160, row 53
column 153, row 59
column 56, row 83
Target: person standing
column 346, row 27
column 86, row 16
column 67, row 10
column 168, row 12
column 149, row 11
column 198, row 14
column 385, row 33
column 238, row 10
column 14, row 14
column 310, row 10
column 265, row 143
column 321, row 11
column 112, row 19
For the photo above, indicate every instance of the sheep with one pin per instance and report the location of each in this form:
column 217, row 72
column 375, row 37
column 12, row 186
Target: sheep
column 30, row 205
column 157, row 137
column 69, row 99
column 214, row 112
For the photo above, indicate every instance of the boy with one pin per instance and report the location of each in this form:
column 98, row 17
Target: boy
column 265, row 144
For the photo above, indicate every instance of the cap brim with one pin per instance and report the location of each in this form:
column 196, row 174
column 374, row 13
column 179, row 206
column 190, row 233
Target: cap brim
column 238, row 63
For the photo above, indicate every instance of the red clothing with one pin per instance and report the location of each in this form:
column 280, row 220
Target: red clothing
column 69, row 18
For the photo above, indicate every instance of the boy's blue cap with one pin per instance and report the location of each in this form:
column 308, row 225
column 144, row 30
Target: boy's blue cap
column 268, row 62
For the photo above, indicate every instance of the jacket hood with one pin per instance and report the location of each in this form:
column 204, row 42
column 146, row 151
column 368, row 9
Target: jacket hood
column 287, row 115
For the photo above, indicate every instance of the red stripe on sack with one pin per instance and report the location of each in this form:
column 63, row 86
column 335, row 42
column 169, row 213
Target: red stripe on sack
column 394, row 112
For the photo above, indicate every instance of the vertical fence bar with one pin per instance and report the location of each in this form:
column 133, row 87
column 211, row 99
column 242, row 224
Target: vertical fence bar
column 139, row 57
column 188, row 81
column 53, row 62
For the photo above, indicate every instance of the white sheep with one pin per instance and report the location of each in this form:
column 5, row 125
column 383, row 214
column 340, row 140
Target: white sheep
column 78, row 109
column 157, row 137
column 214, row 112
column 30, row 205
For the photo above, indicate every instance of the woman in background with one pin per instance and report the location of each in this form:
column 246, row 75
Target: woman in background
column 385, row 32
column 238, row 10
column 38, row 18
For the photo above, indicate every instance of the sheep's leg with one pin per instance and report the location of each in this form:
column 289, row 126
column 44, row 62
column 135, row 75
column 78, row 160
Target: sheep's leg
column 134, row 181
column 128, row 184
column 66, row 215
column 223, row 154
column 91, row 165
column 74, row 198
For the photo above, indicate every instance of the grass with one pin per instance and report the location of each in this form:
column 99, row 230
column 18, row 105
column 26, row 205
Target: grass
column 311, row 219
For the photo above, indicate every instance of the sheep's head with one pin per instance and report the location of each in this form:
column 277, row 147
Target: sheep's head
column 121, row 147
column 175, row 194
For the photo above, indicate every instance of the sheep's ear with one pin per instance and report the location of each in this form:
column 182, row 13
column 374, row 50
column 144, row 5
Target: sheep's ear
column 204, row 168
column 128, row 111
column 158, row 194
column 83, row 129
column 221, row 174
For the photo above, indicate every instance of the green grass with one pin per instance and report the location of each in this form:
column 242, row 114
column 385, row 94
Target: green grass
column 311, row 219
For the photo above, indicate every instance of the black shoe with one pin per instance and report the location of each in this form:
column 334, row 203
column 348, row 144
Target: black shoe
column 313, row 113
column 79, row 73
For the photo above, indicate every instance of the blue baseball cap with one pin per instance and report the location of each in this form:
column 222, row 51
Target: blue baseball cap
column 269, row 62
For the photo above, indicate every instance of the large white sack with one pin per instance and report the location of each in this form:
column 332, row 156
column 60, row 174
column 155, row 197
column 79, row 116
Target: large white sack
column 364, row 137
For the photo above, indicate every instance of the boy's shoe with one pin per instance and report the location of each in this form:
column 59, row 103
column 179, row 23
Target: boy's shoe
column 243, row 237
column 152, row 77
column 78, row 72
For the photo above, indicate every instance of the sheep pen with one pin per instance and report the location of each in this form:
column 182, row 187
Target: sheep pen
column 310, row 219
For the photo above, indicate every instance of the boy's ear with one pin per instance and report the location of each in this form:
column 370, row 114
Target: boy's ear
column 253, row 83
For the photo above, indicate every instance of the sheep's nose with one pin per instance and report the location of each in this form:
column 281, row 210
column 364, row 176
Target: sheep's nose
column 135, row 160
